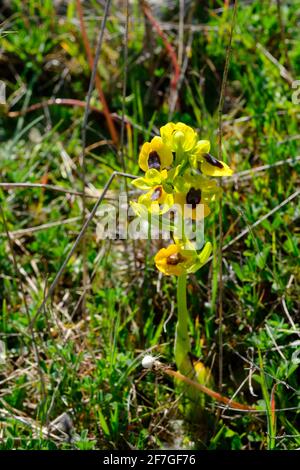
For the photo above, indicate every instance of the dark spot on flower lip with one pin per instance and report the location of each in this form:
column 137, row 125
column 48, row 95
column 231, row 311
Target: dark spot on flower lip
column 212, row 160
column 193, row 197
column 156, row 193
column 175, row 259
column 154, row 160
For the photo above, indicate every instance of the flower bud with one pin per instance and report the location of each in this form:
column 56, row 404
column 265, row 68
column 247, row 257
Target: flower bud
column 178, row 139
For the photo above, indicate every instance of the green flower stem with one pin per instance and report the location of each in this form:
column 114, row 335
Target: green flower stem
column 193, row 402
column 182, row 346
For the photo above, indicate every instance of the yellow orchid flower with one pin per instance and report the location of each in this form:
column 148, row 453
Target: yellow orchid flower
column 171, row 261
column 190, row 202
column 208, row 164
column 178, row 137
column 155, row 155
column 193, row 190
column 156, row 201
column 177, row 260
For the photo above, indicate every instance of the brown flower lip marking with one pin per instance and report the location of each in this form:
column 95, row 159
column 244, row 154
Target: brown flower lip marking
column 156, row 193
column 175, row 259
column 212, row 160
column 193, row 197
column 154, row 160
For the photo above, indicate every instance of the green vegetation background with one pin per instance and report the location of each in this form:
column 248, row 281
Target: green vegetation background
column 87, row 363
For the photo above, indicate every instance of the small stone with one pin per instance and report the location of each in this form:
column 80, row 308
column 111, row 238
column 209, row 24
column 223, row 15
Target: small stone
column 148, row 361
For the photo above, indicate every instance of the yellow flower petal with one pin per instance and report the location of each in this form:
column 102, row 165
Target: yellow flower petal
column 170, row 260
column 203, row 146
column 144, row 154
column 155, row 155
column 187, row 210
column 156, row 201
column 166, row 133
column 206, row 212
column 203, row 373
column 163, row 151
column 213, row 167
column 178, row 136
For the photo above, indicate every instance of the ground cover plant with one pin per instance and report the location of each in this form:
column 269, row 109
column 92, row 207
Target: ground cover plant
column 88, row 323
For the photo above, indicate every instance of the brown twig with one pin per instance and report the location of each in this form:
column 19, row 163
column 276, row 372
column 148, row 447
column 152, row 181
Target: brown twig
column 211, row 393
column 89, row 193
column 261, row 219
column 51, row 102
column 282, row 70
column 73, row 102
column 249, row 228
column 44, row 186
column 37, row 228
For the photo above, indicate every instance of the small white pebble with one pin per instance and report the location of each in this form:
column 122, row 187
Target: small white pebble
column 148, row 361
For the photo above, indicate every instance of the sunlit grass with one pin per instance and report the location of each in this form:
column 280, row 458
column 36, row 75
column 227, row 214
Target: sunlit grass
column 89, row 361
